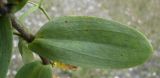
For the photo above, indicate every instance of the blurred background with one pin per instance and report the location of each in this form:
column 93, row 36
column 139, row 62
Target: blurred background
column 144, row 15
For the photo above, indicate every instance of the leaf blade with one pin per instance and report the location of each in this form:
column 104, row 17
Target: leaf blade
column 35, row 70
column 91, row 42
column 5, row 44
column 29, row 70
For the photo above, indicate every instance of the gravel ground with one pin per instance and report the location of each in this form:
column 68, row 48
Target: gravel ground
column 144, row 15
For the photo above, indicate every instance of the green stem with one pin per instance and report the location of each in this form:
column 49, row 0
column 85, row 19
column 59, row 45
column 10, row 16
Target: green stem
column 45, row 13
column 41, row 8
column 32, row 3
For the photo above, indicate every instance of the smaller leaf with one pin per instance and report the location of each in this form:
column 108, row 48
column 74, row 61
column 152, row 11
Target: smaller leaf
column 27, row 70
column 45, row 72
column 35, row 70
column 27, row 55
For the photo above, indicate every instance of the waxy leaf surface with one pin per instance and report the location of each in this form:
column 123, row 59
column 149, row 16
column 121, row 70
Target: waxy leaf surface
column 91, row 42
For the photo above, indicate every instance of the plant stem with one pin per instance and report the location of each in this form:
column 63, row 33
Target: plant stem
column 45, row 13
column 19, row 27
column 35, row 4
column 44, row 60
column 41, row 8
column 18, row 34
column 25, row 35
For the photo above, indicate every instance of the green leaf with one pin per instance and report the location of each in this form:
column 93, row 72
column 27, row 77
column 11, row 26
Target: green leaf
column 45, row 72
column 17, row 4
column 26, row 53
column 35, row 70
column 5, row 44
column 29, row 70
column 91, row 42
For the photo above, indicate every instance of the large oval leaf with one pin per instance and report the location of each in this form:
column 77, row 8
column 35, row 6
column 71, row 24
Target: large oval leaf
column 91, row 42
column 5, row 44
